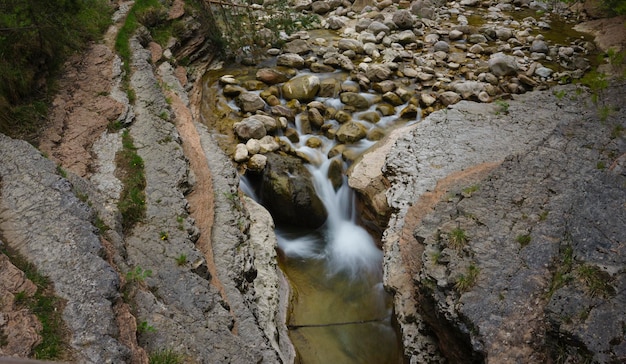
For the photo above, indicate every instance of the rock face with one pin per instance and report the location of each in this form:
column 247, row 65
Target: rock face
column 287, row 192
column 510, row 259
column 33, row 196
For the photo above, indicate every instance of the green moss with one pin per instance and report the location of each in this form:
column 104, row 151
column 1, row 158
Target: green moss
column 132, row 204
column 47, row 307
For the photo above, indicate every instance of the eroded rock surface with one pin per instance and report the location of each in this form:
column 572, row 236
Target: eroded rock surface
column 539, row 269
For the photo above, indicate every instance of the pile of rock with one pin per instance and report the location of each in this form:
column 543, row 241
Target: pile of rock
column 398, row 59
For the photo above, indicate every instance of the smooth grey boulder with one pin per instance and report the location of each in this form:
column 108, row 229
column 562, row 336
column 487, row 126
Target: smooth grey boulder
column 292, row 60
column 403, row 19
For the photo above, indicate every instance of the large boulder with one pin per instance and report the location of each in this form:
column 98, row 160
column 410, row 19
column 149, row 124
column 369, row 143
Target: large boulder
column 292, row 60
column 403, row 19
column 287, row 192
column 303, row 88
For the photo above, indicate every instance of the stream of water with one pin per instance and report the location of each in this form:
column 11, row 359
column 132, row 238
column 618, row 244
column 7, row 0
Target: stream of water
column 340, row 312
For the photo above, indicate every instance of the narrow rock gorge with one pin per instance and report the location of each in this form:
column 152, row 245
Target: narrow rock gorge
column 484, row 142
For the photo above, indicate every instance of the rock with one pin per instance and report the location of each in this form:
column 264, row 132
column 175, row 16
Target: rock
column 257, row 163
column 477, row 49
column 370, row 116
column 477, row 38
column 539, row 46
column 329, row 87
column 253, row 146
column 320, row 7
column 385, row 109
column 502, row 65
column 403, row 19
column 392, row 99
column 423, row 8
column 33, row 197
column 467, row 89
column 268, row 144
column 338, row 60
column 350, row 132
column 441, row 46
column 405, row 37
column 298, row 46
column 336, row 22
column 350, row 44
column 427, row 100
column 378, row 72
column 249, row 102
column 455, row 34
column 302, row 88
column 449, row 98
column 544, row 72
column 250, row 128
column 377, row 27
column 409, row 112
column 315, row 118
column 233, row 90
column 504, row 33
column 271, row 76
column 335, row 173
column 384, row 86
column 292, row 60
column 241, row 153
column 288, row 194
column 355, row 100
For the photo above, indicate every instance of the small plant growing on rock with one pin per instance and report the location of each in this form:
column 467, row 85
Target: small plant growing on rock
column 503, row 106
column 166, row 356
column 181, row 260
column 469, row 191
column 543, row 215
column 164, row 235
column 458, row 238
column 597, row 281
column 138, row 275
column 144, row 327
column 523, row 239
column 468, row 280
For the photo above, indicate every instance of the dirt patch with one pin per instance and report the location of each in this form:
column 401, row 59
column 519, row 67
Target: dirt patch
column 81, row 110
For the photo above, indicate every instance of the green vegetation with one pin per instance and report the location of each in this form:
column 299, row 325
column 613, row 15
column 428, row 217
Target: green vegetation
column 468, row 280
column 132, row 204
column 469, row 191
column 45, row 306
column 543, row 215
column 138, row 275
column 166, row 356
column 615, row 7
column 144, row 327
column 562, row 274
column 181, row 260
column 36, row 37
column 523, row 239
column 597, row 281
column 503, row 106
column 164, row 235
column 458, row 239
